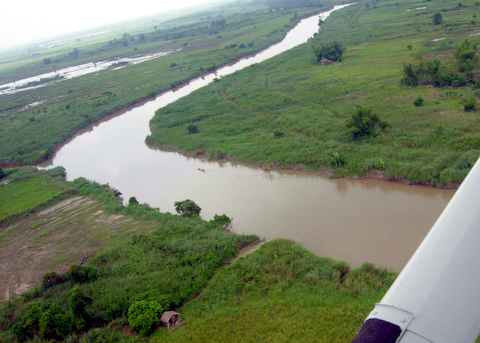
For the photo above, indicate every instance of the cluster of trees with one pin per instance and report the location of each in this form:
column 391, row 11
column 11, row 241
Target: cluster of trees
column 332, row 51
column 426, row 72
column 51, row 320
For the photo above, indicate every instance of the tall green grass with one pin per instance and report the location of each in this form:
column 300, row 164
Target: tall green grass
column 291, row 112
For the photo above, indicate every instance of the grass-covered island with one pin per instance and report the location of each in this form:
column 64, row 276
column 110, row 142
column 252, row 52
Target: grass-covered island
column 115, row 269
column 399, row 102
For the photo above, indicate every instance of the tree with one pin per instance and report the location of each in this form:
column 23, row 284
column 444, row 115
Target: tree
column 332, row 51
column 466, row 55
column 47, row 61
column 187, row 208
column 364, row 122
column 2, row 173
column 437, row 19
column 54, row 324
column 78, row 302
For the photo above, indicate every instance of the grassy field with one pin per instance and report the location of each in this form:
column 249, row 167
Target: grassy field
column 282, row 293
column 291, row 112
column 23, row 195
column 34, row 122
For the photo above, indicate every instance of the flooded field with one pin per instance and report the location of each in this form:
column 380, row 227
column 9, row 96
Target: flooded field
column 59, row 75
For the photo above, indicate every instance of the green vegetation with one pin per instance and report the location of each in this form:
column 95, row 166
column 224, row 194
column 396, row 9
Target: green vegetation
column 364, row 122
column 332, row 51
column 187, row 208
column 34, row 122
column 418, row 101
column 130, row 282
column 437, row 19
column 241, row 117
column 282, row 293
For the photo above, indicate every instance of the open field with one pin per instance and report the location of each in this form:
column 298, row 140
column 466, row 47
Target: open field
column 56, row 237
column 291, row 112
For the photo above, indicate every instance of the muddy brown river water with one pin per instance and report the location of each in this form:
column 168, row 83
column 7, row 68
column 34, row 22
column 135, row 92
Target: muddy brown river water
column 354, row 220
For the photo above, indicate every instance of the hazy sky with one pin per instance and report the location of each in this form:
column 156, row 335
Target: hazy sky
column 26, row 20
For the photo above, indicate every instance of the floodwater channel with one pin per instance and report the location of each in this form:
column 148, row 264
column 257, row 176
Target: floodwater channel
column 353, row 220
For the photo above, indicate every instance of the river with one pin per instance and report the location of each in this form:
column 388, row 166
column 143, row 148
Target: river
column 354, row 220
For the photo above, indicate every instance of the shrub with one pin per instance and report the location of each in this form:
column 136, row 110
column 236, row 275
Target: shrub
column 187, row 208
column 469, row 102
column 222, row 220
column 54, row 324
column 364, row 122
column 467, row 160
column 418, row 102
column 29, row 325
column 437, row 19
column 80, row 274
column 337, row 160
column 143, row 315
column 132, row 201
column 192, row 129
column 466, row 55
column 332, row 51
column 52, row 279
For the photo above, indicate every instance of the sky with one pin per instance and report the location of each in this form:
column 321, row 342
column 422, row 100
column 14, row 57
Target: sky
column 22, row 21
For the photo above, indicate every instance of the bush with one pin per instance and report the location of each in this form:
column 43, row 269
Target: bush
column 54, row 324
column 80, row 274
column 132, row 201
column 332, row 51
column 29, row 325
column 337, row 160
column 187, row 208
column 143, row 315
column 469, row 102
column 192, row 129
column 222, row 220
column 52, row 279
column 418, row 102
column 466, row 55
column 437, row 19
column 364, row 122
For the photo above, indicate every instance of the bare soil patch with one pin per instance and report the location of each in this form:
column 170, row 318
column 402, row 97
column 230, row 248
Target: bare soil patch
column 56, row 237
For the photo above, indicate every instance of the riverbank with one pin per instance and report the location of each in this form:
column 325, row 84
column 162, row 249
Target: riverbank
column 331, row 172
column 52, row 114
column 176, row 263
column 291, row 112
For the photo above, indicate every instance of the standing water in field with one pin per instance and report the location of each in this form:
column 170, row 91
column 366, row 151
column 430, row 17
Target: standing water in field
column 354, row 220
